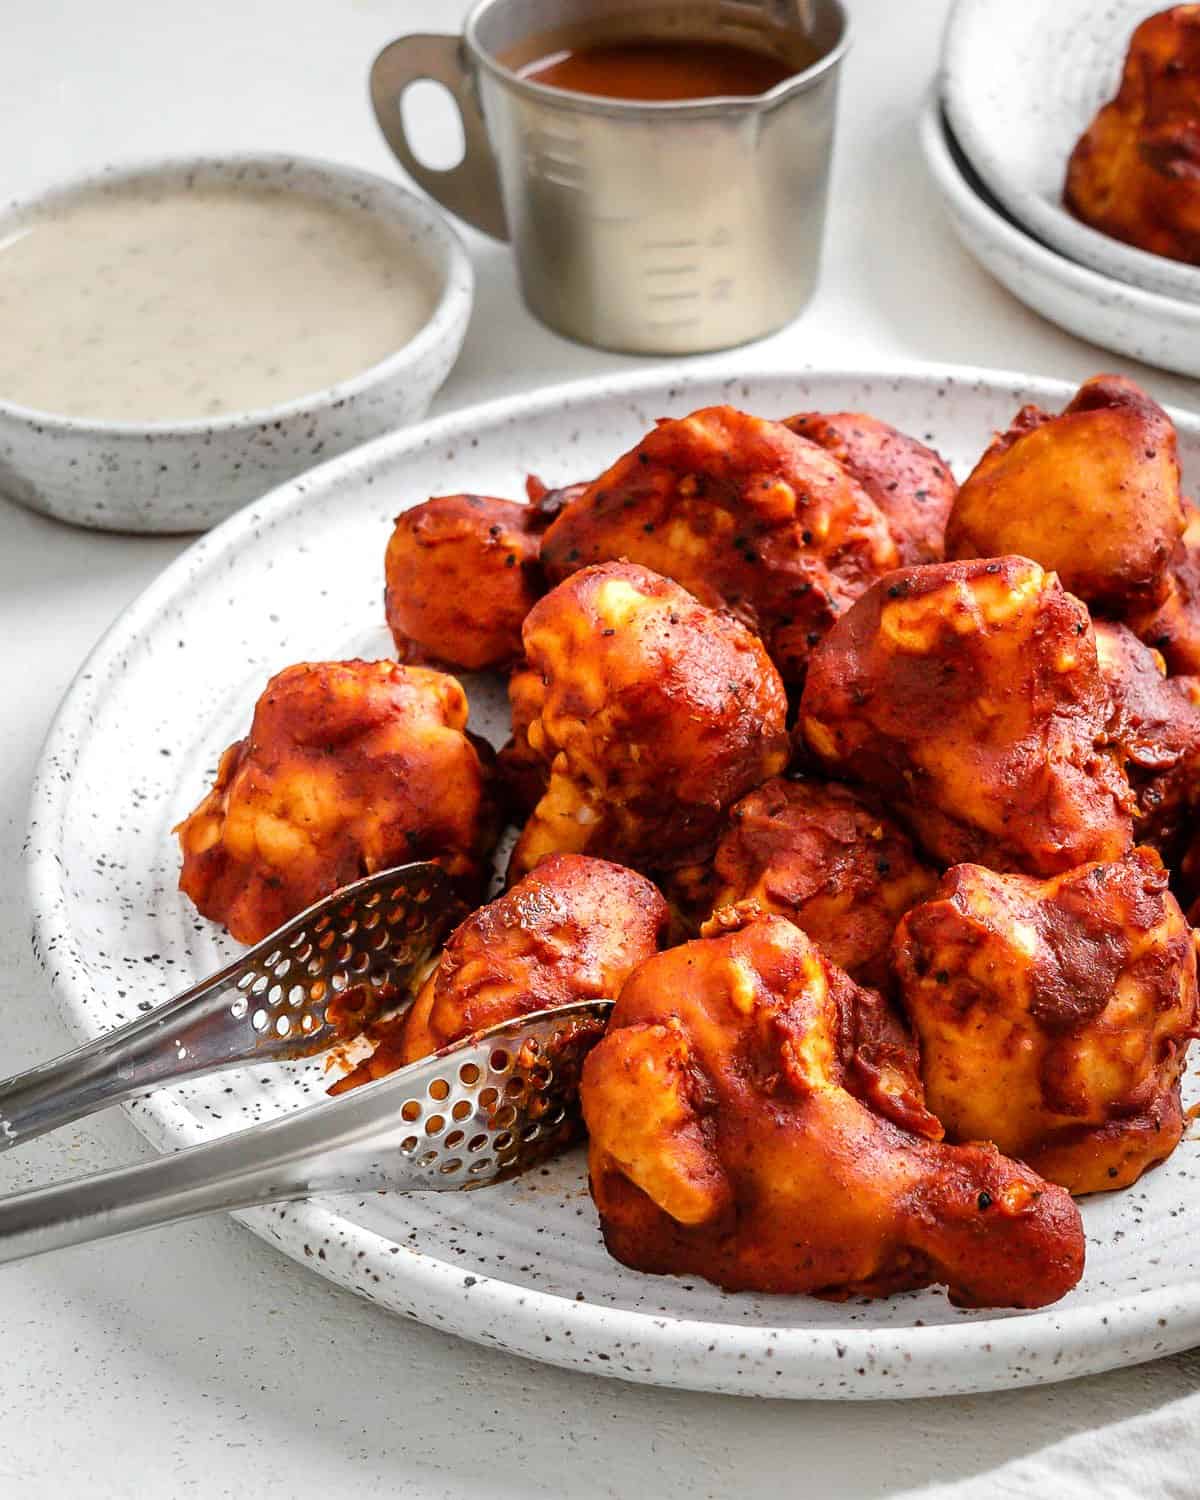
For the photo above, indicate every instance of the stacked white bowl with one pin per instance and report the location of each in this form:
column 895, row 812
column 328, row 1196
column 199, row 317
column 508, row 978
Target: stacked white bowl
column 1020, row 81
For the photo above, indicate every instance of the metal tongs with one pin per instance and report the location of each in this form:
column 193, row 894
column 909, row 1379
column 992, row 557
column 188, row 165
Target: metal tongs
column 475, row 1113
column 479, row 1112
column 319, row 979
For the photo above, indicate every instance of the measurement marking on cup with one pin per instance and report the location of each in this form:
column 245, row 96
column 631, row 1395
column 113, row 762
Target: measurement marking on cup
column 576, row 184
column 554, row 159
column 554, row 137
column 549, row 145
column 572, row 163
column 668, row 244
column 562, row 170
column 687, row 270
column 672, row 296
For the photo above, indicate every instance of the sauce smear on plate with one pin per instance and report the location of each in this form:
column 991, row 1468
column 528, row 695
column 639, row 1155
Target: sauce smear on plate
column 660, row 71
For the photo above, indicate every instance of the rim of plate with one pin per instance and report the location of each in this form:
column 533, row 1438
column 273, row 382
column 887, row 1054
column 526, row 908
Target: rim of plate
column 980, row 1354
column 937, row 133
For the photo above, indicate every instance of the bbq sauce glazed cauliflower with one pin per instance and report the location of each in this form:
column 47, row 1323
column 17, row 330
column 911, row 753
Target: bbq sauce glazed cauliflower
column 1092, row 493
column 461, row 575
column 822, row 856
column 1135, row 172
column 969, row 696
column 1173, row 627
column 652, row 713
column 1154, row 723
column 910, row 483
column 1053, row 1017
column 745, row 515
column 349, row 767
column 573, row 929
column 755, row 1118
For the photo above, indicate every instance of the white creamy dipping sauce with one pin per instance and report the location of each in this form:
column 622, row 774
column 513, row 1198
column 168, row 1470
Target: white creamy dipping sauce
column 144, row 305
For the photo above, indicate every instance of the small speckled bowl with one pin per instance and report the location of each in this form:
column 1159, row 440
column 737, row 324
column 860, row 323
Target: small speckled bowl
column 186, row 475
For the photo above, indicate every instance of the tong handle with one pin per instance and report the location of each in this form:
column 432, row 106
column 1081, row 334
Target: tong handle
column 318, row 979
column 163, row 1044
column 480, row 1111
column 344, row 1144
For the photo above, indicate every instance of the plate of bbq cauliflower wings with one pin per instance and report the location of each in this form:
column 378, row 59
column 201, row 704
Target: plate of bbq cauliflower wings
column 842, row 729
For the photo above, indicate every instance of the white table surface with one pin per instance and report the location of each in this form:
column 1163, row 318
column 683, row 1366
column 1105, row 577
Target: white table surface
column 196, row 1361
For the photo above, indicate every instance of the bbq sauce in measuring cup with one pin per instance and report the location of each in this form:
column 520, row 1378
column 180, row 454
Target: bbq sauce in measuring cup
column 660, row 70
column 661, row 174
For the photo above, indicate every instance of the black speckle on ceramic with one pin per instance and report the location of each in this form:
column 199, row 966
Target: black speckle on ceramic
column 186, row 476
column 519, row 1266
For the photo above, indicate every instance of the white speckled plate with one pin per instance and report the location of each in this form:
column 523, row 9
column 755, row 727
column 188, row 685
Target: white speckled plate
column 1021, row 81
column 519, row 1267
column 1158, row 330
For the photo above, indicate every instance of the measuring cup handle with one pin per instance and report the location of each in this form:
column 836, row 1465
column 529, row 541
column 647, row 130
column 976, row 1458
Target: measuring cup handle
column 472, row 188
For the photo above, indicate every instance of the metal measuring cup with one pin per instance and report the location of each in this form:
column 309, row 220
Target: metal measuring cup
column 652, row 228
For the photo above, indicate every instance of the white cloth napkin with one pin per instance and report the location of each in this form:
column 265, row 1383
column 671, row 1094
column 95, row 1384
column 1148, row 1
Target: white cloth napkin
column 1152, row 1457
